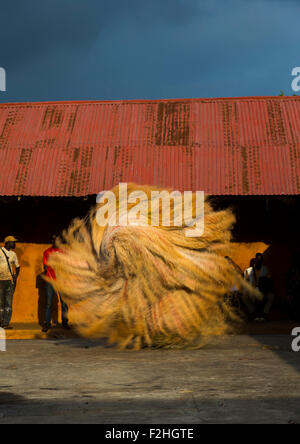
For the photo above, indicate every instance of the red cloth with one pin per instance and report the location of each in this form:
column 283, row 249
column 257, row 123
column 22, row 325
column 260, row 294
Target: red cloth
column 50, row 272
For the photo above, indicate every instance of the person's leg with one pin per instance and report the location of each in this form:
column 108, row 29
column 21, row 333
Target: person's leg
column 2, row 287
column 269, row 299
column 8, row 301
column 64, row 312
column 49, row 290
column 248, row 304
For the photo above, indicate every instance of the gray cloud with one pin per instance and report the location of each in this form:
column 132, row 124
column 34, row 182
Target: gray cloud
column 114, row 49
column 33, row 27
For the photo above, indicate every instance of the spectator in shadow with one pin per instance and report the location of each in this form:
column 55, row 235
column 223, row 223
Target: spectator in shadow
column 265, row 286
column 258, row 275
column 41, row 287
column 293, row 288
column 50, row 291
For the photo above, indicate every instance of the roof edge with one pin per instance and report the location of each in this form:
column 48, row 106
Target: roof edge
column 199, row 99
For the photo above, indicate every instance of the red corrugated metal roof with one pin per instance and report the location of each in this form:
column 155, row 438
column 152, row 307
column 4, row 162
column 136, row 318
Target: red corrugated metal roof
column 238, row 146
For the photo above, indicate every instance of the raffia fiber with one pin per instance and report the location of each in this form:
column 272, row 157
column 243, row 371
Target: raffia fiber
column 148, row 286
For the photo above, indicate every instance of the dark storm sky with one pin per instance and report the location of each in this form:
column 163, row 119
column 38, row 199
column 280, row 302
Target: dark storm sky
column 135, row 49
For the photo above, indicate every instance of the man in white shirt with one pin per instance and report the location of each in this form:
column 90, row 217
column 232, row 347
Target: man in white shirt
column 9, row 272
column 249, row 273
column 250, row 276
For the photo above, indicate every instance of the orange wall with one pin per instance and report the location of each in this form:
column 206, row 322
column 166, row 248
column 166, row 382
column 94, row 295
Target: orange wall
column 29, row 296
column 242, row 253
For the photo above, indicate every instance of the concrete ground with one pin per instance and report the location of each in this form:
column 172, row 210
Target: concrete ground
column 235, row 379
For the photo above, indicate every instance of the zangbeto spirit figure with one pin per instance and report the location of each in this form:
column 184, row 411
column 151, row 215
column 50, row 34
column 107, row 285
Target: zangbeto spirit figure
column 148, row 285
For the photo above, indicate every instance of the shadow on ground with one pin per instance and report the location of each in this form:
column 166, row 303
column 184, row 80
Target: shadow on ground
column 188, row 410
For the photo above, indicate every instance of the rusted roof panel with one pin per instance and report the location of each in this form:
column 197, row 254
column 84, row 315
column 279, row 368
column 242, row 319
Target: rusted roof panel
column 236, row 146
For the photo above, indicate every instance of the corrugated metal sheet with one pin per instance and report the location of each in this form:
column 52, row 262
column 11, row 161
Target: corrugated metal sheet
column 238, row 146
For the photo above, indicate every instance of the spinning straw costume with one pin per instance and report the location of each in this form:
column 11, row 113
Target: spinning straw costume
column 147, row 285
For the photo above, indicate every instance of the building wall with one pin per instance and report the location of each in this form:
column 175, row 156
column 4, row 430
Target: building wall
column 29, row 298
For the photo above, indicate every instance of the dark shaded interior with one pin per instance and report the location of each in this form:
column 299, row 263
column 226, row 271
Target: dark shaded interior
column 35, row 220
column 273, row 220
column 258, row 218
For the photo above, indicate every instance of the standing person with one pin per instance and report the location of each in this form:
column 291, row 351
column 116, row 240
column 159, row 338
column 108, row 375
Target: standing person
column 293, row 288
column 50, row 291
column 9, row 272
column 264, row 284
column 249, row 273
column 250, row 276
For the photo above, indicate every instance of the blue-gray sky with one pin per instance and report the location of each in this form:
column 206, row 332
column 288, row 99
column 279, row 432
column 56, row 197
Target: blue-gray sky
column 147, row 49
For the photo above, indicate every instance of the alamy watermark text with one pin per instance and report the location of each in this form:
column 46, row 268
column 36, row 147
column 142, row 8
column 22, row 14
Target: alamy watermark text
column 296, row 341
column 2, row 79
column 137, row 208
column 296, row 80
